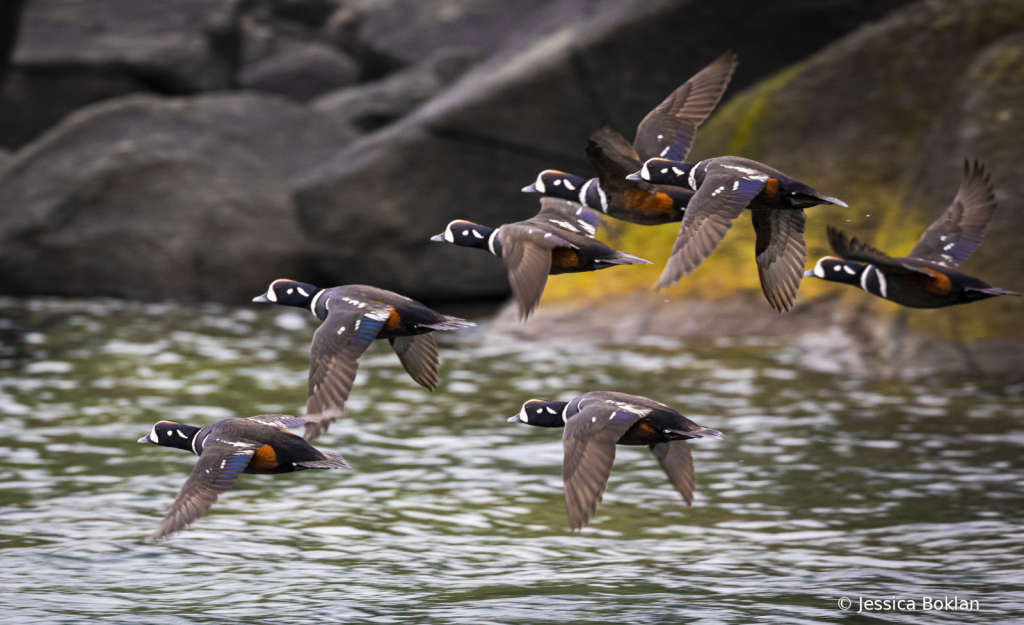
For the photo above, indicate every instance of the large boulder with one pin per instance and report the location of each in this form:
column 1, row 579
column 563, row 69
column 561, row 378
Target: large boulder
column 70, row 53
column 467, row 152
column 301, row 72
column 162, row 198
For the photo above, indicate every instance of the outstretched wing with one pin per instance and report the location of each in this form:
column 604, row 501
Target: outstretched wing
column 721, row 198
column 589, row 444
column 677, row 463
column 350, row 327
column 527, row 255
column 567, row 215
column 279, row 421
column 215, row 472
column 614, row 158
column 781, row 254
column 958, row 231
column 850, row 248
column 668, row 130
column 418, row 355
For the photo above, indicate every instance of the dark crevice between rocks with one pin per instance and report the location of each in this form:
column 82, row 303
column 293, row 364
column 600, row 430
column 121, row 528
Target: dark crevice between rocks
column 500, row 145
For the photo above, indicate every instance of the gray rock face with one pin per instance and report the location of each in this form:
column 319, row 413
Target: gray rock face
column 149, row 198
column 70, row 53
column 301, row 72
column 373, row 105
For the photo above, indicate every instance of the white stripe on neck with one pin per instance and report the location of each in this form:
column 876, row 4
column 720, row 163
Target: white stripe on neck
column 490, row 240
column 312, row 305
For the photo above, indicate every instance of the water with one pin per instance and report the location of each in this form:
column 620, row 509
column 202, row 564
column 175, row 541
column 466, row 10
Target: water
column 824, row 487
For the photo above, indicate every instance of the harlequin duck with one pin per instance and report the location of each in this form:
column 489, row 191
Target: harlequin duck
column 353, row 316
column 667, row 132
column 594, row 423
column 560, row 239
column 928, row 277
column 724, row 187
column 227, row 449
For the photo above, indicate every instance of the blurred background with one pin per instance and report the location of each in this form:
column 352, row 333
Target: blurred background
column 194, row 150
column 161, row 161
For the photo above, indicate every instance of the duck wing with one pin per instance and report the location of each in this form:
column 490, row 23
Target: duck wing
column 351, row 325
column 589, row 445
column 216, row 471
column 781, row 254
column 723, row 195
column 567, row 215
column 614, row 158
column 278, row 421
column 526, row 251
column 677, row 463
column 418, row 355
column 668, row 130
column 958, row 231
column 851, row 248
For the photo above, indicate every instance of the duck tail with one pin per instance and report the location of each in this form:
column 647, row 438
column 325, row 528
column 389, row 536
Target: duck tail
column 993, row 291
column 451, row 323
column 330, row 460
column 626, row 259
column 703, row 432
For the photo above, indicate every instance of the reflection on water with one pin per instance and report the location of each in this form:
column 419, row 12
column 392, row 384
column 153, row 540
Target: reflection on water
column 823, row 488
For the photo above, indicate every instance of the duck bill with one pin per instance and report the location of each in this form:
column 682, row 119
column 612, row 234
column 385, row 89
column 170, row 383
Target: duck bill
column 144, row 439
column 809, row 273
column 634, row 176
column 262, row 299
column 530, row 189
column 438, row 237
column 836, row 201
column 515, row 419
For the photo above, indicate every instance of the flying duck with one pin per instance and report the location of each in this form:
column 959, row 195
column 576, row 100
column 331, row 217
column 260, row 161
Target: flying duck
column 353, row 316
column 594, row 423
column 725, row 186
column 666, row 132
column 559, row 239
column 227, row 449
column 929, row 276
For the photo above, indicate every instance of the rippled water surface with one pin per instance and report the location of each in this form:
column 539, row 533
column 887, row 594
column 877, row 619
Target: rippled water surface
column 823, row 488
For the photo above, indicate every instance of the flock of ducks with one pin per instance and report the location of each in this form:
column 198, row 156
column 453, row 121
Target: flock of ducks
column 647, row 182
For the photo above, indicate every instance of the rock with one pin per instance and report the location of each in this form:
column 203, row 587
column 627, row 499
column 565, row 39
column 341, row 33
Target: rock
column 162, row 198
column 468, row 151
column 10, row 17
column 301, row 73
column 70, row 53
column 371, row 106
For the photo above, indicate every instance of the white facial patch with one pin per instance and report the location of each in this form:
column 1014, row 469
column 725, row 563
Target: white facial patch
column 847, row 269
column 522, row 412
column 178, row 432
column 569, row 185
column 271, row 296
column 819, row 269
column 290, row 291
column 465, row 232
column 448, row 235
column 539, row 184
column 645, row 173
column 477, row 234
column 153, row 436
column 302, row 291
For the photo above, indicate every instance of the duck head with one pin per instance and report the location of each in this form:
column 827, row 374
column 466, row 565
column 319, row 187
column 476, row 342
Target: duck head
column 289, row 293
column 664, row 171
column 836, row 269
column 554, row 183
column 466, row 234
column 173, row 434
column 542, row 413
